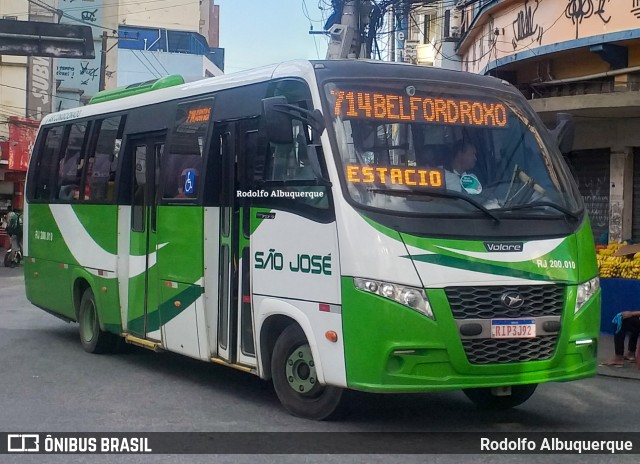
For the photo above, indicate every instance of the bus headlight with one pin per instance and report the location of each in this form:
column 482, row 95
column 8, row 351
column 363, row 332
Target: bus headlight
column 586, row 291
column 410, row 297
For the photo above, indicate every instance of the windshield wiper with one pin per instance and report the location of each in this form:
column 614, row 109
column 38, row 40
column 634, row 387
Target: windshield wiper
column 408, row 194
column 537, row 204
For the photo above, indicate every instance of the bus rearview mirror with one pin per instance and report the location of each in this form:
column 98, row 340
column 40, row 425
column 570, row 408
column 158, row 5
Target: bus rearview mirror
column 278, row 114
column 277, row 120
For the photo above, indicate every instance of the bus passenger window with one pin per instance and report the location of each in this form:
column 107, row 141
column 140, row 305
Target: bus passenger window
column 100, row 175
column 70, row 166
column 47, row 161
column 182, row 162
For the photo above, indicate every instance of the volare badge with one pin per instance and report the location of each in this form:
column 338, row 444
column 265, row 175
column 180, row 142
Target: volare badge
column 471, row 184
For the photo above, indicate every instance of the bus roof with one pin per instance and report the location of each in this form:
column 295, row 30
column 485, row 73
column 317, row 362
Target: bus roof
column 333, row 68
column 135, row 89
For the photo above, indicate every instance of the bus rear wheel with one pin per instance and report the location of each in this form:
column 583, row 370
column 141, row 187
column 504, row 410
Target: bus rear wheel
column 485, row 398
column 294, row 378
column 92, row 338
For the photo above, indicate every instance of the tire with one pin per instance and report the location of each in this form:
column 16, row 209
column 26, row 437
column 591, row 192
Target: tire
column 484, row 399
column 93, row 339
column 293, row 373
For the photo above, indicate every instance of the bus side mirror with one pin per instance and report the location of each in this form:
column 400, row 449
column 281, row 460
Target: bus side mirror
column 564, row 132
column 277, row 121
column 278, row 114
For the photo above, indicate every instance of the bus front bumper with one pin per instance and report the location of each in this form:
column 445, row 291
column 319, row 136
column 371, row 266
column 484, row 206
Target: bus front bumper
column 392, row 348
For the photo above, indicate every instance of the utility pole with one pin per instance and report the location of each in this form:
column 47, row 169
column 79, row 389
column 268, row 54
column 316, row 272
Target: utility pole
column 104, row 51
column 392, row 31
column 346, row 37
column 103, row 61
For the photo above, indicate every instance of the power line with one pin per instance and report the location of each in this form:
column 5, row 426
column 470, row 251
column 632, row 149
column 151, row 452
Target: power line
column 155, row 56
column 79, row 20
column 305, row 11
column 144, row 55
column 82, row 8
column 38, row 92
column 155, row 74
column 68, row 16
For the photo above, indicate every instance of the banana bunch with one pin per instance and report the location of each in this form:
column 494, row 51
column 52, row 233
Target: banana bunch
column 617, row 266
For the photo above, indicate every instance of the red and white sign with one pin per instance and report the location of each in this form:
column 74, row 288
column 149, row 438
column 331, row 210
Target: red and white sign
column 22, row 136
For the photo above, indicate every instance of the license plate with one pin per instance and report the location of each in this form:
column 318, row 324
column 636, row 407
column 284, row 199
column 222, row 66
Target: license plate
column 513, row 328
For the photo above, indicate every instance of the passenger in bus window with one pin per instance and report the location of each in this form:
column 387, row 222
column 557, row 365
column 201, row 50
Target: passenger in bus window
column 98, row 175
column 68, row 176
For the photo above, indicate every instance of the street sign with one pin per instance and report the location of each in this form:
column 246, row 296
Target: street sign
column 32, row 38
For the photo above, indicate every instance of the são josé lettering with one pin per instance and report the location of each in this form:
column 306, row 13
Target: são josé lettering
column 314, row 264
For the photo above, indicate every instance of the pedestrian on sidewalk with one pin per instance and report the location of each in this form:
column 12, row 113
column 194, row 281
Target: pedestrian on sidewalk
column 627, row 322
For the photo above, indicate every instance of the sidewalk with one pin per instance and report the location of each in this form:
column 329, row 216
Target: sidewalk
column 605, row 352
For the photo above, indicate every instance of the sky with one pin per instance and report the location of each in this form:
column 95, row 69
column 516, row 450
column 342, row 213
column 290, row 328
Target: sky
column 261, row 32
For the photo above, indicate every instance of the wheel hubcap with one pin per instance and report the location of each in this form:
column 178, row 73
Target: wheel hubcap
column 301, row 371
column 88, row 321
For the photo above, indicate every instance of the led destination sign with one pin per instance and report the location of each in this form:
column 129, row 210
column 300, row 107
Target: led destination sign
column 387, row 106
column 197, row 115
column 395, row 176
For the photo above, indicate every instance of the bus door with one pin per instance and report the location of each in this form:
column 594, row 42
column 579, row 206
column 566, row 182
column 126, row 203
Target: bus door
column 145, row 153
column 235, row 335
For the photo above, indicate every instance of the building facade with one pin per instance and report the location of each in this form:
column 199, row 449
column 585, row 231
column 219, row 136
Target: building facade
column 146, row 53
column 15, row 103
column 579, row 57
column 32, row 87
column 128, row 58
column 433, row 32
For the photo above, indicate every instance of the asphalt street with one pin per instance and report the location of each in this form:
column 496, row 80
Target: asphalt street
column 50, row 384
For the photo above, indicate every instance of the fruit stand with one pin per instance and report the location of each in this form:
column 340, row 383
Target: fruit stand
column 619, row 266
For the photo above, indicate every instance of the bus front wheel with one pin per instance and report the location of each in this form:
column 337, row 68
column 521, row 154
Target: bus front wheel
column 92, row 338
column 486, row 398
column 294, row 378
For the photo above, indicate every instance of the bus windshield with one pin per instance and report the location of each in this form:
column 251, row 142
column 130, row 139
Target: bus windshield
column 426, row 148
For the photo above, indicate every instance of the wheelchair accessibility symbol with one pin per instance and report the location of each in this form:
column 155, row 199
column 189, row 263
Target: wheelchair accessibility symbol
column 190, row 181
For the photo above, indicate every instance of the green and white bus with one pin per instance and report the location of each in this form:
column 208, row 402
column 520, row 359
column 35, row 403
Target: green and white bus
column 307, row 223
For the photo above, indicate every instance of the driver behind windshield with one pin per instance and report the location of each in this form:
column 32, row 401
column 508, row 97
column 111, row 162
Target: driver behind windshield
column 457, row 177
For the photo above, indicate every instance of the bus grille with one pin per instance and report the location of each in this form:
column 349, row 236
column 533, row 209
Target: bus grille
column 485, row 302
column 492, row 351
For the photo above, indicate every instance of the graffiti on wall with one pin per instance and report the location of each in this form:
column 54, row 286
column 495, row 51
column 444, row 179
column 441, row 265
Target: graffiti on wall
column 600, row 11
column 596, row 200
column 40, row 79
column 524, row 26
column 579, row 10
column 615, row 225
column 84, row 74
column 530, row 24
